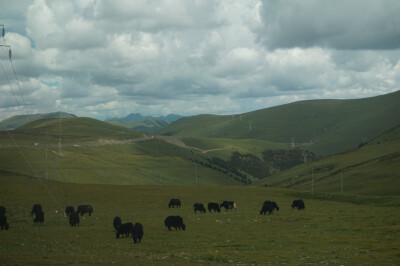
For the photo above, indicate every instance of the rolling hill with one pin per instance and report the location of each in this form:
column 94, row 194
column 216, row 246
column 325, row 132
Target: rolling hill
column 85, row 150
column 19, row 120
column 96, row 152
column 372, row 169
column 325, row 127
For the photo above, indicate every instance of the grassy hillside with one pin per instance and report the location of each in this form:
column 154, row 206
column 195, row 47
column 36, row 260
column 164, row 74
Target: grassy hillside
column 322, row 126
column 75, row 129
column 331, row 230
column 97, row 152
column 19, row 120
column 372, row 169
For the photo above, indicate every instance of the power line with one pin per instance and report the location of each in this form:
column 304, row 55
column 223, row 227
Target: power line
column 26, row 109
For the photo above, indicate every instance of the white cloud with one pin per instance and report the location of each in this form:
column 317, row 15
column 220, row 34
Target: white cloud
column 110, row 58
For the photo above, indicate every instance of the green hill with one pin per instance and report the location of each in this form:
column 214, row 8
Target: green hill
column 75, row 129
column 19, row 120
column 93, row 151
column 372, row 169
column 323, row 126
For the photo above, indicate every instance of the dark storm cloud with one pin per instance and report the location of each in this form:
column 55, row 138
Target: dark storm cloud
column 342, row 24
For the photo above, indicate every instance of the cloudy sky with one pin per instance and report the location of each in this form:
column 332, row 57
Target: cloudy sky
column 109, row 58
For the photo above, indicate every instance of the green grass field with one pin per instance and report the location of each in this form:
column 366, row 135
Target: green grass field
column 333, row 230
column 141, row 163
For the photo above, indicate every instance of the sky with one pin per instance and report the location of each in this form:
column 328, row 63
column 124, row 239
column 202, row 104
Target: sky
column 110, row 58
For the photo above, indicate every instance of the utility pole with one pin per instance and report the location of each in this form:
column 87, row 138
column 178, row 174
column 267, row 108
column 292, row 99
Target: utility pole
column 305, row 155
column 59, row 140
column 312, row 180
column 46, row 156
column 341, row 181
column 292, row 141
column 196, row 173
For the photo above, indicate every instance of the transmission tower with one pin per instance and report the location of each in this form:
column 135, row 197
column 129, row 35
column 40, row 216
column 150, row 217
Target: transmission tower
column 292, row 144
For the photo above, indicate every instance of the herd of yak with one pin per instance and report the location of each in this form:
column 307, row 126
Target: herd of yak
column 136, row 230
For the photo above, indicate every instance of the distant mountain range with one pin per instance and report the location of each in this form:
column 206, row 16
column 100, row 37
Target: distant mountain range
column 134, row 121
column 136, row 117
column 138, row 122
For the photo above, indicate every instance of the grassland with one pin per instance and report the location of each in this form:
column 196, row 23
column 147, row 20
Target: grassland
column 325, row 127
column 332, row 230
column 131, row 175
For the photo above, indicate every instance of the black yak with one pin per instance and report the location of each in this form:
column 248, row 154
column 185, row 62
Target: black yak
column 124, row 229
column 3, row 222
column 69, row 210
column 74, row 218
column 137, row 233
column 174, row 202
column 299, row 204
column 228, row 205
column 39, row 217
column 85, row 209
column 117, row 222
column 199, row 207
column 2, row 210
column 174, row 221
column 269, row 206
column 36, row 208
column 213, row 206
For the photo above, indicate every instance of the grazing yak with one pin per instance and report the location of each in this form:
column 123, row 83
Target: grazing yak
column 174, row 202
column 3, row 222
column 117, row 222
column 174, row 221
column 299, row 204
column 39, row 217
column 124, row 229
column 85, row 209
column 36, row 208
column 213, row 206
column 199, row 207
column 228, row 205
column 269, row 206
column 74, row 218
column 2, row 210
column 69, row 210
column 137, row 233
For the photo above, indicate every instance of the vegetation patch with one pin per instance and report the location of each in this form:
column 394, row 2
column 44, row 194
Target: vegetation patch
column 349, row 198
